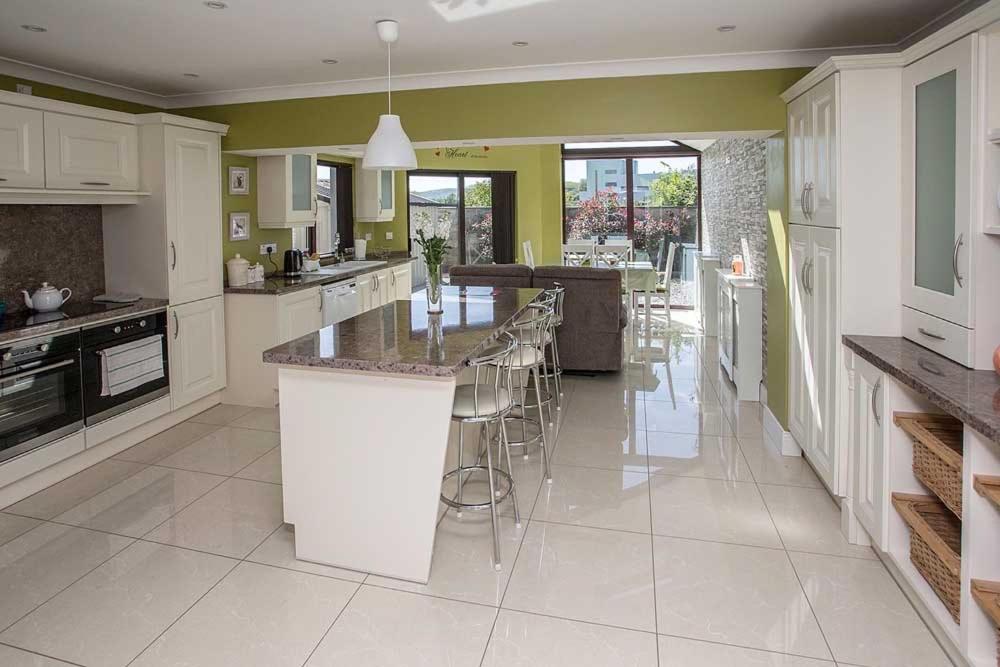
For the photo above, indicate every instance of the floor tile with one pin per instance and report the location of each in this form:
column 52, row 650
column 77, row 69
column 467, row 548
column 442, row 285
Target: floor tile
column 462, row 566
column 687, row 455
column 585, row 574
column 593, row 497
column 43, row 561
column 601, row 448
column 223, row 452
column 613, row 413
column 809, row 520
column 166, row 443
column 265, row 469
column 109, row 616
column 221, row 414
column 711, row 509
column 527, row 640
column 12, row 525
column 70, row 492
column 686, row 418
column 732, row 594
column 257, row 616
column 770, row 467
column 687, row 389
column 230, row 520
column 864, row 615
column 263, row 419
column 279, row 551
column 680, row 652
column 15, row 657
column 378, row 628
column 140, row 503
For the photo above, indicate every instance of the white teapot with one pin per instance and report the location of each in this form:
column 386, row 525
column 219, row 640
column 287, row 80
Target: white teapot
column 46, row 298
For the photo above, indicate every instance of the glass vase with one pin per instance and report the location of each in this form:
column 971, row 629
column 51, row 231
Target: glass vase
column 434, row 296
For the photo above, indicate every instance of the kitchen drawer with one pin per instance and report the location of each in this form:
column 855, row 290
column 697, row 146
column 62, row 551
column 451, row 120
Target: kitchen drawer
column 946, row 338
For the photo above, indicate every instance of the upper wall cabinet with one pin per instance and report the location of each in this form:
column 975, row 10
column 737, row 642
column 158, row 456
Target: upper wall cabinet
column 22, row 152
column 812, row 136
column 87, row 154
column 286, row 191
column 375, row 196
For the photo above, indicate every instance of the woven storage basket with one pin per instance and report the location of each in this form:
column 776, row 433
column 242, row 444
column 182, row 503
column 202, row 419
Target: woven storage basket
column 937, row 454
column 935, row 545
column 987, row 594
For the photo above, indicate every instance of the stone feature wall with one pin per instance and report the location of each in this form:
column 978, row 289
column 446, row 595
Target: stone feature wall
column 61, row 245
column 734, row 206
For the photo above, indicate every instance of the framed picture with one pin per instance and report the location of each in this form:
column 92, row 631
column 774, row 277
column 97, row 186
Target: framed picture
column 239, row 226
column 239, row 180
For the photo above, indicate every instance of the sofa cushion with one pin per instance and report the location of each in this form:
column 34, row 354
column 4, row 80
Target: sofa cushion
column 593, row 295
column 493, row 275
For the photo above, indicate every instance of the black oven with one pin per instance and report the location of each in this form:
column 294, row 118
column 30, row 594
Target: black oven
column 40, row 397
column 104, row 336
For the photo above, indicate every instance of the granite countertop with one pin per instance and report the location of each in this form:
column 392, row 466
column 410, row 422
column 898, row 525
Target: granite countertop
column 279, row 285
column 402, row 338
column 967, row 395
column 18, row 325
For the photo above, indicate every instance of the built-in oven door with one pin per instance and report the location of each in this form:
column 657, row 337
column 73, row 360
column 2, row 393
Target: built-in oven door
column 40, row 393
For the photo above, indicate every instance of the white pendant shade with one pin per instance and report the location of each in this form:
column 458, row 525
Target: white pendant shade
column 389, row 147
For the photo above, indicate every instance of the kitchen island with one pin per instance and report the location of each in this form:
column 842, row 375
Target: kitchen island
column 365, row 415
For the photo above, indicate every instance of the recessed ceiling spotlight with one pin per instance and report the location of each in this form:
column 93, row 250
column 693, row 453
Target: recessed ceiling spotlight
column 191, row 75
column 215, row 4
column 726, row 28
column 330, row 61
column 519, row 43
column 30, row 27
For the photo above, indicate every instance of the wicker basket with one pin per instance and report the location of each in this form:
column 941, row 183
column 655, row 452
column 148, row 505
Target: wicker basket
column 987, row 594
column 935, row 545
column 937, row 454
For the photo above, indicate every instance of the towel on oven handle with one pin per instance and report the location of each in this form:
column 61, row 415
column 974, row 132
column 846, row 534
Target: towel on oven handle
column 130, row 365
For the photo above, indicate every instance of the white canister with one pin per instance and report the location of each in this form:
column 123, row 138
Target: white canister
column 237, row 268
column 359, row 248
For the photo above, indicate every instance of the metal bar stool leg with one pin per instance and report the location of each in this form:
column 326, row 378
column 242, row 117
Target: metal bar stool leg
column 461, row 480
column 493, row 510
column 510, row 471
column 557, row 372
column 545, row 442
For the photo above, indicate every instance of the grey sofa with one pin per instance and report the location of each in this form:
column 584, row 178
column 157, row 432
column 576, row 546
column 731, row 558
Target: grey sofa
column 590, row 338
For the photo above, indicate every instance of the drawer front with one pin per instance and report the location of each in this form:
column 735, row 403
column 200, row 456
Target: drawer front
column 946, row 338
column 90, row 154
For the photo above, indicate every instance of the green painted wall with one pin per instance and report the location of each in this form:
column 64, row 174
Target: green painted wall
column 777, row 281
column 538, row 211
column 75, row 96
column 248, row 203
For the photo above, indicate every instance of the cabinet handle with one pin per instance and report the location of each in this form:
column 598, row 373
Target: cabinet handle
column 177, row 326
column 929, row 334
column 173, row 249
column 802, row 201
column 929, row 367
column 954, row 259
column 3, row 179
column 875, row 391
column 320, row 295
column 93, row 183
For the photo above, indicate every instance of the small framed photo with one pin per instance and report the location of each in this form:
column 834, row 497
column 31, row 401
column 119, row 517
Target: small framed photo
column 239, row 181
column 239, row 226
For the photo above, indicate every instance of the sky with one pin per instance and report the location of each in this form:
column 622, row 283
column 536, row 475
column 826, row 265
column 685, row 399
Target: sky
column 577, row 169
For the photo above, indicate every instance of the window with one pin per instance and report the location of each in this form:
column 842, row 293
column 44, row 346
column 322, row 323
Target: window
column 334, row 212
column 659, row 202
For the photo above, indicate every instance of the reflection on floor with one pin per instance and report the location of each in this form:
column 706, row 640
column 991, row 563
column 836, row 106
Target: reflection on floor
column 671, row 535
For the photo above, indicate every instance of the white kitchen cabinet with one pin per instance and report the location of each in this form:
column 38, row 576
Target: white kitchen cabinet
column 707, row 292
column 374, row 195
column 22, row 148
column 368, row 297
column 197, row 349
column 740, row 313
column 812, row 136
column 90, row 154
column 400, row 282
column 867, row 440
column 299, row 313
column 799, row 353
column 799, row 139
column 286, row 191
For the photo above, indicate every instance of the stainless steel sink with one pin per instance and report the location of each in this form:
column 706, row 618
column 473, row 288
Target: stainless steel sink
column 353, row 265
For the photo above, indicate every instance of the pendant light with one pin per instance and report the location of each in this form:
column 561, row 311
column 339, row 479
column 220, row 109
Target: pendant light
column 389, row 147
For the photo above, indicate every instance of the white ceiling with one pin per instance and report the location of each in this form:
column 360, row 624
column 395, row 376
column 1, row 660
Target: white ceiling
column 148, row 45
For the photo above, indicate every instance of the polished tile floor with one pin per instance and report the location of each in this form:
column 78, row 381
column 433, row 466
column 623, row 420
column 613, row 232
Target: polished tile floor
column 671, row 535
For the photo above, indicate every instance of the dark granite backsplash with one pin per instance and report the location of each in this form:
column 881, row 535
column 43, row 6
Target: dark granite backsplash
column 62, row 245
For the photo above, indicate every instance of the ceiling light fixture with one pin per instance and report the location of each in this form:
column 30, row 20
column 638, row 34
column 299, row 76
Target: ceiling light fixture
column 214, row 4
column 191, row 75
column 726, row 28
column 30, row 27
column 389, row 147
column 330, row 61
column 519, row 43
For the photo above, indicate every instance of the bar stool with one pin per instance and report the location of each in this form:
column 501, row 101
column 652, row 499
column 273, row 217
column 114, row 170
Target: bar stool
column 557, row 319
column 485, row 402
column 529, row 359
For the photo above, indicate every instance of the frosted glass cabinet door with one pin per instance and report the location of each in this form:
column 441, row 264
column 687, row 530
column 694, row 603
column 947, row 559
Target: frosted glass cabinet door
column 302, row 183
column 938, row 189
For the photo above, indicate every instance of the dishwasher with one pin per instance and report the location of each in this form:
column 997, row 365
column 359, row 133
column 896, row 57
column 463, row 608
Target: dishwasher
column 340, row 302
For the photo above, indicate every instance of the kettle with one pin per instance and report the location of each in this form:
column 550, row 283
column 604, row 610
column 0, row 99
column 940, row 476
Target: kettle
column 293, row 264
column 46, row 298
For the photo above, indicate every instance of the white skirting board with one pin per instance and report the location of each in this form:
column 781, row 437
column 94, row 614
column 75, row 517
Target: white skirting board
column 778, row 438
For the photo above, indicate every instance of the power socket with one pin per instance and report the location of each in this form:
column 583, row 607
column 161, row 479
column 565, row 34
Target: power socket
column 268, row 247
column 368, row 236
column 388, row 236
column 23, row 88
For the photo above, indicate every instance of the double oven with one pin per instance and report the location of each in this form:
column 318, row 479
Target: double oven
column 50, row 386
